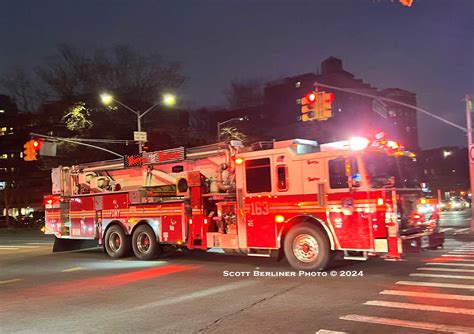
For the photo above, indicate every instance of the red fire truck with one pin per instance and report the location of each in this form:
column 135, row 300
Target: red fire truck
column 294, row 199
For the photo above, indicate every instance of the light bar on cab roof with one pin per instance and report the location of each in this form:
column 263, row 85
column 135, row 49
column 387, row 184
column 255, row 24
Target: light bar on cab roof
column 358, row 143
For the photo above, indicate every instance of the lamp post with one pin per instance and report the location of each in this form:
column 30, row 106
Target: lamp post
column 168, row 100
column 240, row 119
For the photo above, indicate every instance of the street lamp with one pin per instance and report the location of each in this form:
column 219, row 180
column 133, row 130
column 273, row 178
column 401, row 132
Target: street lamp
column 240, row 119
column 167, row 99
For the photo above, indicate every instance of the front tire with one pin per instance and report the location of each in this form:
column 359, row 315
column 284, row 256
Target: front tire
column 117, row 243
column 144, row 243
column 307, row 248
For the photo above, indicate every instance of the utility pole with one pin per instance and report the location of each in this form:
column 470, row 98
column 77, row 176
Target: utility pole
column 470, row 151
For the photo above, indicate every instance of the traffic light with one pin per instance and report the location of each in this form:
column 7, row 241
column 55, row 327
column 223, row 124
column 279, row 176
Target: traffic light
column 309, row 105
column 407, row 3
column 29, row 154
column 325, row 104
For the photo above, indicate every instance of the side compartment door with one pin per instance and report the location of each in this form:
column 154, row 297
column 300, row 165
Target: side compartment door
column 261, row 228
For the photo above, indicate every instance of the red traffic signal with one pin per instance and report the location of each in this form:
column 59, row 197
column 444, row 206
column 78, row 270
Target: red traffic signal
column 36, row 144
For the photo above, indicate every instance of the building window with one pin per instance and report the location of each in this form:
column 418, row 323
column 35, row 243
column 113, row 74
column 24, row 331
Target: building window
column 257, row 175
column 3, row 131
column 4, row 156
column 2, row 111
column 298, row 84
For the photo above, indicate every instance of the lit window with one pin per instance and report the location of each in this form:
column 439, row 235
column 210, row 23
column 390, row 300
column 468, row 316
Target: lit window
column 4, row 156
column 298, row 84
column 2, row 111
column 12, row 155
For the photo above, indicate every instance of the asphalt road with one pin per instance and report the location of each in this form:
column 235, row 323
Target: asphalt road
column 87, row 292
column 452, row 221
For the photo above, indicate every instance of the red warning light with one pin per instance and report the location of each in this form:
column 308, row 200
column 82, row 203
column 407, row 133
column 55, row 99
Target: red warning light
column 36, row 144
column 311, row 96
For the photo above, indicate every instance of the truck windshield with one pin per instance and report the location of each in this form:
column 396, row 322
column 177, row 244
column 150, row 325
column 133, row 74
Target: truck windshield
column 384, row 171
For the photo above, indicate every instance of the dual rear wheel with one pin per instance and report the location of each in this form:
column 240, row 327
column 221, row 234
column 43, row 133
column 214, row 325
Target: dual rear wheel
column 143, row 243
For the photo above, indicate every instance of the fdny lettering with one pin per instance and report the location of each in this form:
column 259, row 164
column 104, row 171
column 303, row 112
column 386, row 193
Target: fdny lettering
column 310, row 179
column 310, row 162
column 134, row 160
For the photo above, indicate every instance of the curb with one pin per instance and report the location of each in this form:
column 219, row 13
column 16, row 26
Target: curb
column 469, row 236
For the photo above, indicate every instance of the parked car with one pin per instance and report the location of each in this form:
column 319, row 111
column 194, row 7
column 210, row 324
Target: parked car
column 11, row 220
column 454, row 204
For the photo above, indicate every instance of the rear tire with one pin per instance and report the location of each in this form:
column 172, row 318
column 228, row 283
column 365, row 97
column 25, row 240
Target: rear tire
column 117, row 243
column 307, row 248
column 144, row 243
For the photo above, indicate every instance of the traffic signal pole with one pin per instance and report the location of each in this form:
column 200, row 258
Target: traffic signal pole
column 470, row 151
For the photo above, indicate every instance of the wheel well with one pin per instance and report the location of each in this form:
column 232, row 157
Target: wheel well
column 114, row 223
column 145, row 222
column 307, row 219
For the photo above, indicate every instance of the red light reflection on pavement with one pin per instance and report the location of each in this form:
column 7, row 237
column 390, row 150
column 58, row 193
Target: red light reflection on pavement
column 85, row 285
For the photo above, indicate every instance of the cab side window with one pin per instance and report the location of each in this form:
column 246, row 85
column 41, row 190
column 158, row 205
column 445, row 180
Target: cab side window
column 257, row 175
column 337, row 172
column 282, row 178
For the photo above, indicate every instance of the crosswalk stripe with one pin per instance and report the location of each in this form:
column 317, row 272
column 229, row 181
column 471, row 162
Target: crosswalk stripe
column 408, row 324
column 39, row 243
column 448, row 269
column 438, row 285
column 443, row 276
column 457, row 255
column 467, row 252
column 3, row 248
column 455, row 259
column 446, row 229
column 464, row 229
column 459, row 264
column 422, row 307
column 426, row 295
column 326, row 331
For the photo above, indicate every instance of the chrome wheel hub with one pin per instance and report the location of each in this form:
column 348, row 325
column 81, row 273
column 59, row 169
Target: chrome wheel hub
column 305, row 248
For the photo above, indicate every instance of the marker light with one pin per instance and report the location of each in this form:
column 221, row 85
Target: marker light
column 239, row 161
column 279, row 219
column 393, row 144
column 358, row 143
column 380, row 201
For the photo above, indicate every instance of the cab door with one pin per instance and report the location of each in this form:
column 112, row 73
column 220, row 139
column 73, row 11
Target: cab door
column 349, row 203
column 261, row 228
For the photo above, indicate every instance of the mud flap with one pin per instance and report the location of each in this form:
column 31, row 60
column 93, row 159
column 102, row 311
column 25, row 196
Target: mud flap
column 63, row 245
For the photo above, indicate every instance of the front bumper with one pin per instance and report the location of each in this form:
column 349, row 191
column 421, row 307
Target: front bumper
column 424, row 240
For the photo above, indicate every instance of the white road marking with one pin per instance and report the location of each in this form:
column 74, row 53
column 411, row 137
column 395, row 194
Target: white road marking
column 325, row 331
column 443, row 276
column 464, row 229
column 3, row 248
column 438, row 285
column 426, row 295
column 448, row 269
column 446, row 229
column 421, row 307
column 72, row 269
column 39, row 243
column 467, row 251
column 11, row 280
column 17, row 246
column 457, row 255
column 408, row 324
column 459, row 264
column 194, row 295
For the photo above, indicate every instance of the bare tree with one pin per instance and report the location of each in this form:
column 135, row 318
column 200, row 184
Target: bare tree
column 122, row 70
column 245, row 93
column 20, row 86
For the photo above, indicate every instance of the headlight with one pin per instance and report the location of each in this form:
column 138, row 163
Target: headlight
column 456, row 205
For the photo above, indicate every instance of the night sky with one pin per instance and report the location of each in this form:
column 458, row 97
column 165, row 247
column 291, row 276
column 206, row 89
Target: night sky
column 426, row 49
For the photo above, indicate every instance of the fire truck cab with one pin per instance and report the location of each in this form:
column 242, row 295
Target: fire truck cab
column 294, row 198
